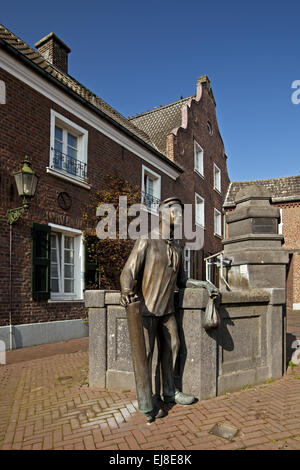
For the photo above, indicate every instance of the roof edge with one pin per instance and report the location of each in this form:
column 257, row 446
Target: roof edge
column 79, row 98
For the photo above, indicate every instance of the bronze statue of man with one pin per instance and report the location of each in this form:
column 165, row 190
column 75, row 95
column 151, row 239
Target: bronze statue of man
column 152, row 272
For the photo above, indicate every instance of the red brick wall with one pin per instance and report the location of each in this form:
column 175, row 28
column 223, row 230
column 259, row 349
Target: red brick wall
column 291, row 233
column 25, row 130
column 181, row 149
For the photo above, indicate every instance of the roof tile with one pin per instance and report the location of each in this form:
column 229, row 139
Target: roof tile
column 280, row 189
column 22, row 48
column 159, row 122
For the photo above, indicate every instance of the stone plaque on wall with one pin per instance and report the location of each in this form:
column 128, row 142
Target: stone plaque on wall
column 264, row 225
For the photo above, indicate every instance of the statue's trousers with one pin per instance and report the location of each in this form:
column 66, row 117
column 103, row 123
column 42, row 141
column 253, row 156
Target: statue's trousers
column 139, row 357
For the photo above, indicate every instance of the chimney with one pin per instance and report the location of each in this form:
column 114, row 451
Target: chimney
column 55, row 51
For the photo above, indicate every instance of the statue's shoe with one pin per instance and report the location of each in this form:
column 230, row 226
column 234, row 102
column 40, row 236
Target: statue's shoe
column 180, row 398
column 156, row 413
column 160, row 413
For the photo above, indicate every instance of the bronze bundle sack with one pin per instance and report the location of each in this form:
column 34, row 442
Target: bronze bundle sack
column 211, row 317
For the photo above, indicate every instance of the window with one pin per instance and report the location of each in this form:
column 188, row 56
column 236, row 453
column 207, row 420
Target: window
column 217, row 222
column 217, row 178
column 187, row 261
column 68, row 153
column 66, row 273
column 280, row 224
column 151, row 188
column 2, row 92
column 198, row 158
column 40, row 255
column 209, row 128
column 199, row 210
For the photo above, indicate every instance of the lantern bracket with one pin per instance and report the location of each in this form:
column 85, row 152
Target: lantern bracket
column 15, row 214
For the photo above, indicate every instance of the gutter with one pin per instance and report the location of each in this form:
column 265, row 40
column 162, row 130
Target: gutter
column 79, row 98
column 274, row 200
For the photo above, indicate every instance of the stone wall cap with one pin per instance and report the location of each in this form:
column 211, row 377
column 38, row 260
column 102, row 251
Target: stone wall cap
column 253, row 236
column 250, row 212
column 94, row 298
column 245, row 296
column 253, row 191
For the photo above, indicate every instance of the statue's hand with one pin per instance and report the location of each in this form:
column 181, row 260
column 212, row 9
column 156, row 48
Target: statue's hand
column 127, row 298
column 212, row 290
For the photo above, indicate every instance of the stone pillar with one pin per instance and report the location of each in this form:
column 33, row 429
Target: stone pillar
column 254, row 246
column 94, row 301
column 257, row 260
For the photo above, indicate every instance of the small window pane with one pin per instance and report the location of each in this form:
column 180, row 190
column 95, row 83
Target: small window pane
column 69, row 286
column 149, row 187
column 69, row 243
column 72, row 141
column 58, row 134
column 217, row 178
column 198, row 157
column 54, row 272
column 69, row 256
column 69, row 271
column 54, row 285
column 218, row 223
column 199, row 211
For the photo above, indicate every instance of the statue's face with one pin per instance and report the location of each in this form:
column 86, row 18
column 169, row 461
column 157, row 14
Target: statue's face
column 175, row 215
column 171, row 217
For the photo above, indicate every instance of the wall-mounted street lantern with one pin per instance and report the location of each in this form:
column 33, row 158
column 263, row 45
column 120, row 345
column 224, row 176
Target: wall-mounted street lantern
column 26, row 181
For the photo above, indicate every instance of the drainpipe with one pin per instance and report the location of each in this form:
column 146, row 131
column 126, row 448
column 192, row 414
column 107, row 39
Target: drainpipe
column 10, row 288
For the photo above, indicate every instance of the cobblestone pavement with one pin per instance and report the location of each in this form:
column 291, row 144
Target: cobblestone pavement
column 45, row 403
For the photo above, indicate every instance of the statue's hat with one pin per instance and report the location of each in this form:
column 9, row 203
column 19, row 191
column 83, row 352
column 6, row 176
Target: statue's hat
column 171, row 201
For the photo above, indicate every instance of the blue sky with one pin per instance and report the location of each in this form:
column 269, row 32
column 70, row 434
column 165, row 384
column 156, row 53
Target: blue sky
column 137, row 55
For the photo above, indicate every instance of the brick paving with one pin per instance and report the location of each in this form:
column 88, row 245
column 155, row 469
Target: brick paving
column 45, row 403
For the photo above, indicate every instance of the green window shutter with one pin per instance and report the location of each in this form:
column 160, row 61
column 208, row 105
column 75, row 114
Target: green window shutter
column 40, row 251
column 91, row 272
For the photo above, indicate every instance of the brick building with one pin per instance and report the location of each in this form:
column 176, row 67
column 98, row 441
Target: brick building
column 285, row 194
column 187, row 132
column 73, row 138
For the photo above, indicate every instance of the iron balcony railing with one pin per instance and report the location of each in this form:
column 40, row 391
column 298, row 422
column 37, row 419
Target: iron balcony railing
column 71, row 165
column 216, row 261
column 151, row 201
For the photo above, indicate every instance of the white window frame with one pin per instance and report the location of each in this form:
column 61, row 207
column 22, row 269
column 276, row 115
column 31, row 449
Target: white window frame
column 187, row 261
column 79, row 263
column 280, row 225
column 200, row 221
column 216, row 212
column 217, row 184
column 156, row 187
column 2, row 92
column 198, row 150
column 58, row 120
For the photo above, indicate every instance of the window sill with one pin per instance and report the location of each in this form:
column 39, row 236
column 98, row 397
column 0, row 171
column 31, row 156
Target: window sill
column 55, row 301
column 218, row 191
column 218, row 235
column 68, row 177
column 198, row 173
